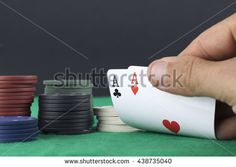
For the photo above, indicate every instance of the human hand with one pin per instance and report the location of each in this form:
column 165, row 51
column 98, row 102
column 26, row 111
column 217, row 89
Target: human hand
column 207, row 67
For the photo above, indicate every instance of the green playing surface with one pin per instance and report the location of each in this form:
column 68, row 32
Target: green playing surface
column 116, row 144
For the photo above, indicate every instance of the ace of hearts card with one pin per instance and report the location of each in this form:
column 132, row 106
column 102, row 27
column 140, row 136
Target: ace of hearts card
column 143, row 106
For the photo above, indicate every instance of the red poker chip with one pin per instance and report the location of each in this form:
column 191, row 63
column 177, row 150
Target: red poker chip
column 19, row 82
column 16, row 102
column 3, row 94
column 15, row 90
column 18, row 78
column 3, row 98
column 11, row 86
column 24, row 113
column 4, row 110
column 15, row 105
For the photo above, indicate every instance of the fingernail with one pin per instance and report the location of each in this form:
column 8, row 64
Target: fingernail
column 158, row 69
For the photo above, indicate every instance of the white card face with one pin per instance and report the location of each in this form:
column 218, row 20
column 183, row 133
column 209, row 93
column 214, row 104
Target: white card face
column 193, row 116
column 143, row 106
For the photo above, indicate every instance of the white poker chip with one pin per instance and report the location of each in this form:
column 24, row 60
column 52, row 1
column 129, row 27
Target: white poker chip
column 108, row 118
column 111, row 122
column 116, row 128
column 105, row 111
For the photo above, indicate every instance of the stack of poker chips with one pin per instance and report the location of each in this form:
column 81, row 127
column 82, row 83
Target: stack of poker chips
column 65, row 107
column 18, row 128
column 109, row 121
column 17, row 94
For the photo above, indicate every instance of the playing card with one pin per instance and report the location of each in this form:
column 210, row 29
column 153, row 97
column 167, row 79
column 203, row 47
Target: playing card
column 146, row 107
column 116, row 86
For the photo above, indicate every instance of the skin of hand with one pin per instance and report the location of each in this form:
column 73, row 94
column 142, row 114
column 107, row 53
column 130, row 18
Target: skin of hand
column 207, row 67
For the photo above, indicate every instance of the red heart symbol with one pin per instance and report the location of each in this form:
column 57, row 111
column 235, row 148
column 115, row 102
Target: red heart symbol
column 172, row 126
column 134, row 89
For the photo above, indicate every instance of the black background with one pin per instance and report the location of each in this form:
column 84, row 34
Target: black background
column 111, row 33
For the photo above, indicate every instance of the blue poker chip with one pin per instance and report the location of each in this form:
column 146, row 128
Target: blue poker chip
column 17, row 139
column 18, row 127
column 17, row 120
column 19, row 131
column 18, row 136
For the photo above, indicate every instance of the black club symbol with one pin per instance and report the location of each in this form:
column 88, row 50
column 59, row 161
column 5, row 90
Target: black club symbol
column 117, row 93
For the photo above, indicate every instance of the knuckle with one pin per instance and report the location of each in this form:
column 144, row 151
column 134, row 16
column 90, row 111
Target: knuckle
column 189, row 80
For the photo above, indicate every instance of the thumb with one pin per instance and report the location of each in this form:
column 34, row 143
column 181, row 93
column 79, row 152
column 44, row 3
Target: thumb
column 194, row 76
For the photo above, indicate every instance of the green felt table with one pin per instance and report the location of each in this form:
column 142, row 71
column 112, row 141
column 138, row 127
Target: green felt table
column 117, row 144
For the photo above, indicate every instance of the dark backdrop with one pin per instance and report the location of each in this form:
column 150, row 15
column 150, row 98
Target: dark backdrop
column 44, row 37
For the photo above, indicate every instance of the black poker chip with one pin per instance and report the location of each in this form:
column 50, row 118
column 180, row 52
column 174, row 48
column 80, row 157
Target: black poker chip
column 64, row 121
column 67, row 106
column 73, row 101
column 65, row 109
column 68, row 132
column 59, row 124
column 61, row 128
column 65, row 115
column 46, row 97
column 67, row 112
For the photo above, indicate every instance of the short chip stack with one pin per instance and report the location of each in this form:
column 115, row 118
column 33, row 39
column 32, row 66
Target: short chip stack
column 65, row 108
column 18, row 128
column 109, row 121
column 17, row 94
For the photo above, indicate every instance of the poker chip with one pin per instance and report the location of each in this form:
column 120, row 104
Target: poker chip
column 109, row 121
column 62, row 124
column 65, row 114
column 23, row 113
column 13, row 109
column 66, row 107
column 18, row 131
column 19, row 78
column 66, row 98
column 116, row 128
column 16, row 120
column 68, row 83
column 6, row 98
column 14, row 106
column 9, row 90
column 14, row 94
column 6, row 102
column 18, row 128
column 52, row 90
column 24, row 139
column 66, row 119
column 13, row 136
column 69, row 131
column 18, row 82
column 74, row 109
column 16, row 86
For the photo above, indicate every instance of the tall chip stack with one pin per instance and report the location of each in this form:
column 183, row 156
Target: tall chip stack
column 66, row 107
column 16, row 96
